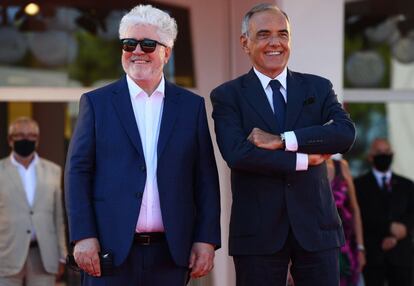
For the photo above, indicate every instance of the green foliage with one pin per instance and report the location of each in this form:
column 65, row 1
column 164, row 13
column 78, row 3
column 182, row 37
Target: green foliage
column 97, row 59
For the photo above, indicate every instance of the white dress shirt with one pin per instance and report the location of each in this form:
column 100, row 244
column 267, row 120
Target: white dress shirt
column 148, row 113
column 29, row 180
column 379, row 175
column 290, row 138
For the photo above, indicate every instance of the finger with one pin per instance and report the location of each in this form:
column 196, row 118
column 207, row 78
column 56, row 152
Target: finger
column 195, row 271
column 192, row 260
column 197, row 268
column 203, row 265
column 96, row 265
column 90, row 264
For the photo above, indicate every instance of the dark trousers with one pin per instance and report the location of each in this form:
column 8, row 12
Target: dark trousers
column 319, row 268
column 146, row 265
column 377, row 275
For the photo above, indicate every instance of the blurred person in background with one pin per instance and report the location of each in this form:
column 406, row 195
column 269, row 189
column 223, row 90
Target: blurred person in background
column 352, row 256
column 386, row 202
column 32, row 231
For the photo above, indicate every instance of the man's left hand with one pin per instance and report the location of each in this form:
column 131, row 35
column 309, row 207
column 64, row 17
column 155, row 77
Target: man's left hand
column 398, row 230
column 201, row 259
column 265, row 140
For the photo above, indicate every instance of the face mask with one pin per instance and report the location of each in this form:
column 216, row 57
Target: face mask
column 382, row 162
column 24, row 147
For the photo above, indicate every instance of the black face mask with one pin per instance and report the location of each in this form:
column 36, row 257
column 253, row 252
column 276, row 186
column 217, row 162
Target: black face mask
column 24, row 147
column 382, row 162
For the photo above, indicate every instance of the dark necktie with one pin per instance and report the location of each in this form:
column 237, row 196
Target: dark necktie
column 385, row 187
column 279, row 104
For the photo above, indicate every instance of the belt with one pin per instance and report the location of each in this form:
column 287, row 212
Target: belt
column 33, row 243
column 149, row 238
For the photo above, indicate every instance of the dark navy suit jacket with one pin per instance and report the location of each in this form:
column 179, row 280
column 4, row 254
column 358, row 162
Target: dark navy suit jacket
column 105, row 172
column 268, row 193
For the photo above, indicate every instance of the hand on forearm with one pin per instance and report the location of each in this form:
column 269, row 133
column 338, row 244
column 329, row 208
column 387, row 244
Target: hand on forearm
column 317, row 159
column 265, row 140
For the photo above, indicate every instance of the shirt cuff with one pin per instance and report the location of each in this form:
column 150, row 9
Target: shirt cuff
column 291, row 142
column 301, row 162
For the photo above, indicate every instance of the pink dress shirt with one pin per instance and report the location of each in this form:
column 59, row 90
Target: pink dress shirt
column 148, row 113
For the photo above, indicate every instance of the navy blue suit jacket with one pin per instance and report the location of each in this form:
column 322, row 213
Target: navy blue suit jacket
column 105, row 172
column 268, row 193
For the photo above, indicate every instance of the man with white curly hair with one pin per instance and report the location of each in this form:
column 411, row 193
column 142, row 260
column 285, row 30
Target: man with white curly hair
column 141, row 180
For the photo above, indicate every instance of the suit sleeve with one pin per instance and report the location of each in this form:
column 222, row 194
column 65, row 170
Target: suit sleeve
column 79, row 172
column 207, row 196
column 335, row 135
column 236, row 150
column 408, row 216
column 59, row 216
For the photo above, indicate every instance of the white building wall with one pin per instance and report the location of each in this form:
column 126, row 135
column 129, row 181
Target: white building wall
column 317, row 38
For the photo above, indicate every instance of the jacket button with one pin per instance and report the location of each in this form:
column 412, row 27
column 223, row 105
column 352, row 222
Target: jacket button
column 288, row 185
column 28, row 231
column 31, row 212
column 139, row 195
column 143, row 168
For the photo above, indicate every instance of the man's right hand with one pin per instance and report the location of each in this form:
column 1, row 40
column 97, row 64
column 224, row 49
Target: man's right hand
column 317, row 159
column 87, row 257
column 265, row 140
column 388, row 243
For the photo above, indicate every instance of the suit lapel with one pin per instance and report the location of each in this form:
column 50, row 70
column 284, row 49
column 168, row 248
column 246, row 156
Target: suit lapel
column 123, row 107
column 40, row 177
column 15, row 177
column 255, row 95
column 169, row 115
column 374, row 184
column 296, row 93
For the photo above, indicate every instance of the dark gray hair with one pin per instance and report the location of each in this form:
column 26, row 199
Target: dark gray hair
column 256, row 9
column 148, row 15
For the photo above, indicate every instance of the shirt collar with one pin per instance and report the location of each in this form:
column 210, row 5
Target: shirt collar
column 378, row 175
column 135, row 89
column 17, row 164
column 264, row 79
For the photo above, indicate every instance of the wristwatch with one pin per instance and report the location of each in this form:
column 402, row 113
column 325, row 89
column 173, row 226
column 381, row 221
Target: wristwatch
column 283, row 140
column 360, row 247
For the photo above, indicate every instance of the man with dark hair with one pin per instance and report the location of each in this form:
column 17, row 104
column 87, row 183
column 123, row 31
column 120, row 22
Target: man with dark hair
column 272, row 126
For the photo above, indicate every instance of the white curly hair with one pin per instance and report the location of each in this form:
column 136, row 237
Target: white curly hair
column 149, row 15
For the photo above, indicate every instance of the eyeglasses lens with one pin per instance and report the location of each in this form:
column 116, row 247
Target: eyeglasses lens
column 147, row 46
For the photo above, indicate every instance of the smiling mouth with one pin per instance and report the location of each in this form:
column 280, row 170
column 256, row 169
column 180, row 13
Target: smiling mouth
column 274, row 53
column 139, row 61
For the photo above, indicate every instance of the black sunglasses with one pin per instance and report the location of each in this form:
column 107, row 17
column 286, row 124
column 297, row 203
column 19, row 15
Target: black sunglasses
column 147, row 45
